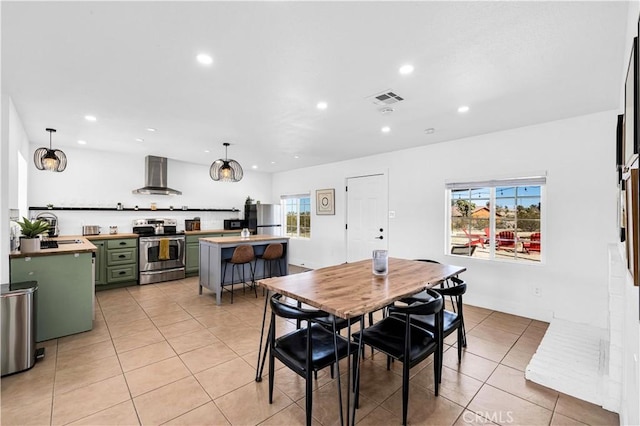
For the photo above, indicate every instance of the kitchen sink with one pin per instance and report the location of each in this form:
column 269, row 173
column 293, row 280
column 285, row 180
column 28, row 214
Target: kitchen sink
column 69, row 241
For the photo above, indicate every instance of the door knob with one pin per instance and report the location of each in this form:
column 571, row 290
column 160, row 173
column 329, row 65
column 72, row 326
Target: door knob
column 381, row 230
column 379, row 238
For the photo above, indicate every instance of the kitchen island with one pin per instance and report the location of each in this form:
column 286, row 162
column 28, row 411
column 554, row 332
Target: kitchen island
column 65, row 296
column 215, row 251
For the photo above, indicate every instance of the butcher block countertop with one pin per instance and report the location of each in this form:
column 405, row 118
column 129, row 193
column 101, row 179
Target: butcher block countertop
column 82, row 246
column 213, row 231
column 252, row 239
column 110, row 236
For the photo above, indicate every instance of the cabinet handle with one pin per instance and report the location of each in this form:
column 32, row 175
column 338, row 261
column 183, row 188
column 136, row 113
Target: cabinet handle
column 122, row 272
column 123, row 243
column 122, row 256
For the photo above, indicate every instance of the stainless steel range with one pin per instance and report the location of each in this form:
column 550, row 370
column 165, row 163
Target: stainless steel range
column 161, row 250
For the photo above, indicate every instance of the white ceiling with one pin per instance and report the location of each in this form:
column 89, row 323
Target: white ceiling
column 132, row 65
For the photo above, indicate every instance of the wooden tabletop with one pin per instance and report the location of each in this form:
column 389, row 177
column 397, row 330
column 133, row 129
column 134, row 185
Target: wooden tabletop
column 351, row 289
column 252, row 239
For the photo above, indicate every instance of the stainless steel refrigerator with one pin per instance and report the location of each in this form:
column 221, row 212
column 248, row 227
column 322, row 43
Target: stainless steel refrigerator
column 265, row 219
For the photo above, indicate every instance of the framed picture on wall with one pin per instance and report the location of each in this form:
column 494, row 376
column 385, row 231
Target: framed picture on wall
column 630, row 145
column 325, row 203
column 619, row 146
column 632, row 226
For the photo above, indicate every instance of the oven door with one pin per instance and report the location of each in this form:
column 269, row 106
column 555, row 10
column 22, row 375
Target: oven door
column 151, row 257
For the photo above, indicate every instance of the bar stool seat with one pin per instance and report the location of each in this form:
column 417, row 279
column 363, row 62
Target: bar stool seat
column 242, row 255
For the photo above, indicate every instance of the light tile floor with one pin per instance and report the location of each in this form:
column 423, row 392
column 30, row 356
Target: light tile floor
column 162, row 354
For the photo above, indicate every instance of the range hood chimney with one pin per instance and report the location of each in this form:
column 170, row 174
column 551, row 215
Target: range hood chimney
column 155, row 178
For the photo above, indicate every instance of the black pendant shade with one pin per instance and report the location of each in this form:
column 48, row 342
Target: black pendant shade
column 50, row 159
column 226, row 170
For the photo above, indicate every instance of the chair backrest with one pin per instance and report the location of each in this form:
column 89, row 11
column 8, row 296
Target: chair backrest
column 534, row 242
column 243, row 254
column 458, row 288
column 463, row 250
column 506, row 238
column 293, row 312
column 273, row 251
column 419, row 306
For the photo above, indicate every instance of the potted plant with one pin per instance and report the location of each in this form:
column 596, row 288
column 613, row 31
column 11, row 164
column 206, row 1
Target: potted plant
column 31, row 230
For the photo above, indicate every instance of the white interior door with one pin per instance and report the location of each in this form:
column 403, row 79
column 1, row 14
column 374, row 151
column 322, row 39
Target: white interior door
column 367, row 216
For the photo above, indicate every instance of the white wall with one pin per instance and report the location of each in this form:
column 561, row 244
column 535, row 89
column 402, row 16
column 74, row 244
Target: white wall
column 101, row 179
column 579, row 156
column 15, row 148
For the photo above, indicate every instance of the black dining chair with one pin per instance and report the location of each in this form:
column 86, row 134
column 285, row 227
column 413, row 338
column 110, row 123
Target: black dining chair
column 306, row 349
column 452, row 320
column 399, row 339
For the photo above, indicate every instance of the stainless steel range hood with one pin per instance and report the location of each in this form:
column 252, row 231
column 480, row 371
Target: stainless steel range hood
column 155, row 178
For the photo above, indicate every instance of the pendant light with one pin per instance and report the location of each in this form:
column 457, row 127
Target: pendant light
column 50, row 159
column 225, row 170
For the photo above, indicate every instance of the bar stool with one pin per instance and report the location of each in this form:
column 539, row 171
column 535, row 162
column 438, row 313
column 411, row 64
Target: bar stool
column 273, row 253
column 242, row 255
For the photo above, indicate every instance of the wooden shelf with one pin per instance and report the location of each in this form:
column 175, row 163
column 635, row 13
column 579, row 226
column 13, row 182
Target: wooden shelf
column 131, row 209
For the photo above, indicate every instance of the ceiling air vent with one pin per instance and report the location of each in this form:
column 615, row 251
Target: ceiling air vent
column 386, row 98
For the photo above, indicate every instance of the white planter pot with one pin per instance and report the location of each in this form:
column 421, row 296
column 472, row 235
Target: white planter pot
column 29, row 245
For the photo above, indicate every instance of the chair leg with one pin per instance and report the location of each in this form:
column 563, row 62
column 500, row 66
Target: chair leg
column 437, row 370
column 388, row 362
column 271, row 371
column 233, row 268
column 308, row 397
column 253, row 278
column 460, row 343
column 405, row 391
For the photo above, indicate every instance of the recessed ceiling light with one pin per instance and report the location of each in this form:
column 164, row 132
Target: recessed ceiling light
column 463, row 108
column 150, row 129
column 254, row 167
column 430, row 130
column 207, row 151
column 204, row 59
column 139, row 140
column 296, row 156
column 82, row 142
column 322, row 105
column 406, row 69
column 273, row 162
column 90, row 117
column 386, row 129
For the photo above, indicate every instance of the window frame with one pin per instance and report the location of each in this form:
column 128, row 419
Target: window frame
column 283, row 202
column 492, row 184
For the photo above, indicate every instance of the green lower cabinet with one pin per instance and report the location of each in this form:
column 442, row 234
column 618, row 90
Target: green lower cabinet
column 192, row 258
column 192, row 263
column 116, row 261
column 64, row 300
column 101, row 262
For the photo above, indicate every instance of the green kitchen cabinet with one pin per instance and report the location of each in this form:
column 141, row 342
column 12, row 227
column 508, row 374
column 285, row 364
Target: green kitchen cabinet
column 116, row 261
column 122, row 260
column 192, row 263
column 101, row 265
column 64, row 300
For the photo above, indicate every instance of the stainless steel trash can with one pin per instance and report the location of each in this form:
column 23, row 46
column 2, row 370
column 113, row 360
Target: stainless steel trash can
column 18, row 308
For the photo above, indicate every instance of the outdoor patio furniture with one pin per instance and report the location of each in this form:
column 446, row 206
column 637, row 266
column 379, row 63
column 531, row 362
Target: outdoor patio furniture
column 533, row 244
column 474, row 239
column 506, row 240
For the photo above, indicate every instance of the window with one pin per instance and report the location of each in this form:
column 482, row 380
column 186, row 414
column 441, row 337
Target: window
column 297, row 211
column 497, row 219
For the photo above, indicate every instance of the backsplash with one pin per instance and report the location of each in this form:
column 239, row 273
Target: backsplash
column 70, row 222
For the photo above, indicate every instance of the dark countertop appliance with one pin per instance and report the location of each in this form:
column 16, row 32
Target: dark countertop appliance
column 161, row 250
column 235, row 224
column 192, row 224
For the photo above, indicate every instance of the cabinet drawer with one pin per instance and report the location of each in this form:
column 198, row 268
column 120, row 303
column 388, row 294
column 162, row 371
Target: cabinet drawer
column 122, row 243
column 120, row 257
column 122, row 273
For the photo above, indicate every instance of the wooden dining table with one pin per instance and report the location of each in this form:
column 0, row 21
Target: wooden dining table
column 350, row 290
